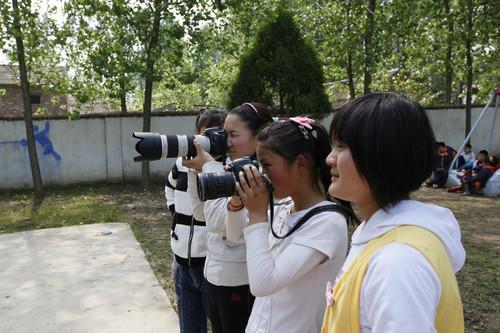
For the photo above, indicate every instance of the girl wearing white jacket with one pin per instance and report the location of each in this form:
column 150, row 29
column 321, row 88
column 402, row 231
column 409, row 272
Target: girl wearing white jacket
column 229, row 298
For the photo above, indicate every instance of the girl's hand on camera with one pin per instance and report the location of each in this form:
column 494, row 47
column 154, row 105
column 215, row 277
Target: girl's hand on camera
column 253, row 193
column 201, row 158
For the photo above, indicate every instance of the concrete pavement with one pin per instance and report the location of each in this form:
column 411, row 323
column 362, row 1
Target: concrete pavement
column 90, row 278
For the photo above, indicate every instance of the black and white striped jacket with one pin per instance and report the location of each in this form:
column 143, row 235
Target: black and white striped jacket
column 189, row 235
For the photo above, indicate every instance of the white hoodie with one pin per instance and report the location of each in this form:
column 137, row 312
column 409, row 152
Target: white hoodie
column 401, row 290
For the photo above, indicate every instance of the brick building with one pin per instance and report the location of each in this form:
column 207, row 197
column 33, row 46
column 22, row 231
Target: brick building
column 11, row 98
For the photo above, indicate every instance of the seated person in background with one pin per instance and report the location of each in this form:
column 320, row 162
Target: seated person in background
column 480, row 175
column 466, row 158
column 450, row 151
column 481, row 157
column 445, row 156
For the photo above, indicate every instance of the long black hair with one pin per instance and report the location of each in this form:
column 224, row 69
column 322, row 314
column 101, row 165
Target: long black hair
column 289, row 140
column 391, row 141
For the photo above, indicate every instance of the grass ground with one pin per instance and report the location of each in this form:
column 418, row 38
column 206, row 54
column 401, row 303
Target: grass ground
column 145, row 211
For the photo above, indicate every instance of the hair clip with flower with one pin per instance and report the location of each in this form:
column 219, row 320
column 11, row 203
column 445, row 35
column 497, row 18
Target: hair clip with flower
column 305, row 126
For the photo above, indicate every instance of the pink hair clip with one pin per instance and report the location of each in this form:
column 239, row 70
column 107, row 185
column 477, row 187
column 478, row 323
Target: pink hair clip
column 304, row 121
column 304, row 124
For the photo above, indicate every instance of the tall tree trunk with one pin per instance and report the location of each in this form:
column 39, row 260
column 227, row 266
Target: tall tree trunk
column 148, row 89
column 370, row 27
column 468, row 63
column 123, row 97
column 28, row 119
column 350, row 78
column 449, row 48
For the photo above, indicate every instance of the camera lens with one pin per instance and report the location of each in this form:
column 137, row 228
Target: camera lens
column 215, row 185
column 153, row 146
column 182, row 145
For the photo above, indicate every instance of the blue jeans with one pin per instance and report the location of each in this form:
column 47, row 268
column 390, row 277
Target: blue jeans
column 468, row 165
column 191, row 291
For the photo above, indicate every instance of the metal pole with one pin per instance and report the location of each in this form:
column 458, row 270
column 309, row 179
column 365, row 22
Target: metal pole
column 472, row 130
column 493, row 122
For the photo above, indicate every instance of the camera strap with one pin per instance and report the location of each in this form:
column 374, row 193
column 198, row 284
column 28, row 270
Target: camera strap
column 334, row 207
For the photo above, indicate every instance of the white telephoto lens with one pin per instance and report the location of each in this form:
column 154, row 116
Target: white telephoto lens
column 183, row 145
column 164, row 146
column 204, row 142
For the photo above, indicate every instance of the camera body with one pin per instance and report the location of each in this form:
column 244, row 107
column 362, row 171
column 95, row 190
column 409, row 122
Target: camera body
column 222, row 184
column 217, row 139
column 240, row 163
column 154, row 146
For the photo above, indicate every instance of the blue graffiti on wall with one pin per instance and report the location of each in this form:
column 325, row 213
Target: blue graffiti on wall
column 42, row 138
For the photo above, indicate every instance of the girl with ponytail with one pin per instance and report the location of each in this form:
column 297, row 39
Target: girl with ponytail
column 290, row 259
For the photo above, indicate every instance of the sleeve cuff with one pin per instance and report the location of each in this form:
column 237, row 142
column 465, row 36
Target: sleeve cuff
column 213, row 166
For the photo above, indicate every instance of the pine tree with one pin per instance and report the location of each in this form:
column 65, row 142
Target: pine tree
column 282, row 70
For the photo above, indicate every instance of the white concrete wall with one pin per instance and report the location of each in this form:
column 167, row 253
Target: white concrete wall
column 449, row 126
column 102, row 149
column 84, row 150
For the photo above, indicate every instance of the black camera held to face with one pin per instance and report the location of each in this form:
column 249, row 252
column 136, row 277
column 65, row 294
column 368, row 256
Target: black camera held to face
column 153, row 146
column 223, row 184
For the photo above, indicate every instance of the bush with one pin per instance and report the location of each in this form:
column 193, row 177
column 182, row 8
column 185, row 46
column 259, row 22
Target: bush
column 282, row 70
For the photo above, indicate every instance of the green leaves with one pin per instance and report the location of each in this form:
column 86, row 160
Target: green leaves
column 41, row 39
column 418, row 47
column 281, row 70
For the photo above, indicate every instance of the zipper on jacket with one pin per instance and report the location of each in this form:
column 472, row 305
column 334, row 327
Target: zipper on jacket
column 191, row 232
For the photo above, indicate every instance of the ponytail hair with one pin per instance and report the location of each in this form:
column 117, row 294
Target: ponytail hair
column 290, row 138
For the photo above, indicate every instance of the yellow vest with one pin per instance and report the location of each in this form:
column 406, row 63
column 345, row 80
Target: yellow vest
column 343, row 315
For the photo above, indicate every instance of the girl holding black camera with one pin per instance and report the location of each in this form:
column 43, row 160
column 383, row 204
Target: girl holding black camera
column 188, row 237
column 229, row 298
column 290, row 259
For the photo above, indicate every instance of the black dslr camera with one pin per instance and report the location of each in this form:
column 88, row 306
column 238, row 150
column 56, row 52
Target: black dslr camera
column 153, row 146
column 222, row 184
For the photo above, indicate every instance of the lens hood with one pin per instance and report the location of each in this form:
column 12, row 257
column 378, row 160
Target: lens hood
column 149, row 146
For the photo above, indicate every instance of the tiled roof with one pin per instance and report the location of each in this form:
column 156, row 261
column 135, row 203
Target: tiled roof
column 8, row 75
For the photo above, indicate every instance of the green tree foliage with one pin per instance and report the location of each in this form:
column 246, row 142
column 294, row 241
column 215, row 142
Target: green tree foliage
column 212, row 49
column 42, row 38
column 337, row 32
column 102, row 48
column 281, row 69
column 115, row 42
column 417, row 48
